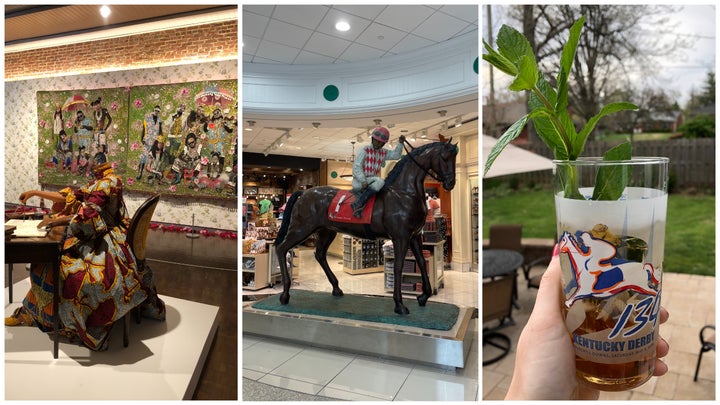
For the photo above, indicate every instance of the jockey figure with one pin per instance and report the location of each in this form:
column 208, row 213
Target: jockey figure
column 367, row 165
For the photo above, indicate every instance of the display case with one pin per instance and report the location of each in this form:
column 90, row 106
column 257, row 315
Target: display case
column 362, row 256
column 411, row 279
column 275, row 275
column 255, row 271
column 474, row 227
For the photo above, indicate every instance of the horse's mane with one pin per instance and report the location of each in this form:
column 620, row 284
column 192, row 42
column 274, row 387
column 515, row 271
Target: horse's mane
column 395, row 172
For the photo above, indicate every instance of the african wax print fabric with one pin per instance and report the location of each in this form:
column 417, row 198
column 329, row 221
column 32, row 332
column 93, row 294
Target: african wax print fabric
column 100, row 281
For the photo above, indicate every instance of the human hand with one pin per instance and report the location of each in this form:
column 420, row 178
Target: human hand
column 26, row 195
column 402, row 139
column 364, row 185
column 545, row 357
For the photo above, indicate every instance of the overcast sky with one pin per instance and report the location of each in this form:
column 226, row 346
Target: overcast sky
column 681, row 74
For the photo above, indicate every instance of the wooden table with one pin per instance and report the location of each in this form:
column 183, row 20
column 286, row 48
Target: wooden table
column 38, row 250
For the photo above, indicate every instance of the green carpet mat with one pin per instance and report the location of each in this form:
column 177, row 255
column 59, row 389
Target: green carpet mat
column 435, row 315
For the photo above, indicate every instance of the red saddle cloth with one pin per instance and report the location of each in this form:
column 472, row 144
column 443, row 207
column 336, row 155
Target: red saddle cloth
column 340, row 208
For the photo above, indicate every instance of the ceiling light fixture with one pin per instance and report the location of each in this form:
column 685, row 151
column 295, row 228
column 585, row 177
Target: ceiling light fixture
column 342, row 26
column 442, row 113
column 316, row 125
column 105, row 11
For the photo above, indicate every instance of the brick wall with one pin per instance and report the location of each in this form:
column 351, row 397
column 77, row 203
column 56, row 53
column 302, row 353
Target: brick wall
column 198, row 43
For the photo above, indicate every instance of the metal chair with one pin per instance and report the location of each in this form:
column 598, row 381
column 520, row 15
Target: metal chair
column 137, row 240
column 507, row 236
column 706, row 344
column 497, row 305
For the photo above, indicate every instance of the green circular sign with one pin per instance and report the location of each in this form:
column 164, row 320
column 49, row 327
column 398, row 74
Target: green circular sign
column 475, row 65
column 333, row 175
column 331, row 93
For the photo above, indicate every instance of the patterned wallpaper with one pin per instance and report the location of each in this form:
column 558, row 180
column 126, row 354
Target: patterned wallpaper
column 21, row 141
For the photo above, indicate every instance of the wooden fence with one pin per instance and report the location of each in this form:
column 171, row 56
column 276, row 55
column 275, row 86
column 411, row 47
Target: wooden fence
column 692, row 161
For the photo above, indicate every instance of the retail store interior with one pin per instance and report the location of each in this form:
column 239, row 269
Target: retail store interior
column 305, row 121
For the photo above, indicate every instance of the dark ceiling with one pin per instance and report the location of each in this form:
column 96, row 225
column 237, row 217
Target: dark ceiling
column 26, row 23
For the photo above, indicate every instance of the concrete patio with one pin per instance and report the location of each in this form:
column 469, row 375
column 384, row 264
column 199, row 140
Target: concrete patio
column 690, row 300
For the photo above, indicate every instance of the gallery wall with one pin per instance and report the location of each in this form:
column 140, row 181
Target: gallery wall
column 187, row 52
column 21, row 139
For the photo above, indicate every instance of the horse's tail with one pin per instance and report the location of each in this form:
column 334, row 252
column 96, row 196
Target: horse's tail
column 286, row 217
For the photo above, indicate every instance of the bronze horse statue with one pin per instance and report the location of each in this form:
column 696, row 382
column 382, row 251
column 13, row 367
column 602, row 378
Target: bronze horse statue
column 398, row 214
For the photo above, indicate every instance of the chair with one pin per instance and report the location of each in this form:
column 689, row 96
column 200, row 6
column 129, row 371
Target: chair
column 497, row 305
column 534, row 281
column 507, row 236
column 137, row 240
column 706, row 344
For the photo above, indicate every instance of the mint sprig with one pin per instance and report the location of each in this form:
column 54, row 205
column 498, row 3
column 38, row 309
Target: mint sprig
column 549, row 109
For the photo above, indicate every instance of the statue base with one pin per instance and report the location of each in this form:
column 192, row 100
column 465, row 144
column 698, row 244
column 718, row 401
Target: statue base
column 390, row 336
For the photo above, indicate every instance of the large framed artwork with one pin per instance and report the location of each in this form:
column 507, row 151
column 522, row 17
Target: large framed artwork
column 175, row 138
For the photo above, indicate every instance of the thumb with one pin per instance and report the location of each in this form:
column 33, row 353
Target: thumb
column 549, row 296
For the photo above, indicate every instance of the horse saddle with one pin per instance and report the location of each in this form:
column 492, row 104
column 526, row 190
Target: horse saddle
column 340, row 208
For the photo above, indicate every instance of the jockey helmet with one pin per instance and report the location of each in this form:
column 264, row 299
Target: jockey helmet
column 381, row 134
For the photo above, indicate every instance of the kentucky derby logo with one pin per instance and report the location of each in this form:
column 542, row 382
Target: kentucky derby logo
column 599, row 273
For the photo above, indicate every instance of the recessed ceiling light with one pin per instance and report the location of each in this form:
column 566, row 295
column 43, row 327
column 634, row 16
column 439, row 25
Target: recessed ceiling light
column 105, row 11
column 342, row 26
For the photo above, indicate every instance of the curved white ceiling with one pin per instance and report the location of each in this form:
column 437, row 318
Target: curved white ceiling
column 412, row 67
column 436, row 74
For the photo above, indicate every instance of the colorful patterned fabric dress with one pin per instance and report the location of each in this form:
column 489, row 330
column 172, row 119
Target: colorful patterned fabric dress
column 100, row 281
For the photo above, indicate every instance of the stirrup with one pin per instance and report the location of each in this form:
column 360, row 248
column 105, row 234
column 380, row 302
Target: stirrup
column 357, row 212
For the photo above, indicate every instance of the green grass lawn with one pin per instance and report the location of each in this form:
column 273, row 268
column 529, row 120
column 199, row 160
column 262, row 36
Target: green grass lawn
column 689, row 235
column 645, row 136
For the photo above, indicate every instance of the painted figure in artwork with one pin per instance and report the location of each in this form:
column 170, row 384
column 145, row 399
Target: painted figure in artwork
column 188, row 160
column 152, row 130
column 83, row 127
column 58, row 121
column 63, row 151
column 101, row 121
column 175, row 135
column 216, row 130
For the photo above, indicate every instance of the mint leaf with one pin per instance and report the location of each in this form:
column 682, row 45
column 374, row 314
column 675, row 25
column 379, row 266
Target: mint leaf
column 513, row 45
column 549, row 109
column 499, row 61
column 612, row 180
column 544, row 126
column 566, row 61
column 504, row 140
column 527, row 75
column 579, row 143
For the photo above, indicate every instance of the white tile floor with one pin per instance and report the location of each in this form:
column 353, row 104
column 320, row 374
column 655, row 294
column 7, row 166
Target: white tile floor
column 317, row 372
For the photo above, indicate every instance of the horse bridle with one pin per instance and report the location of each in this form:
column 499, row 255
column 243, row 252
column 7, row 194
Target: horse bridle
column 427, row 171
